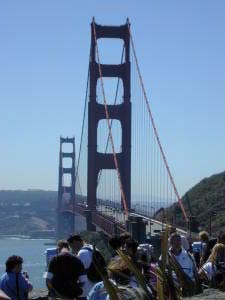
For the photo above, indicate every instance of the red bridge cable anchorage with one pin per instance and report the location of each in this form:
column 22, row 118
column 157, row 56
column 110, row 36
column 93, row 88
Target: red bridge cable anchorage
column 155, row 130
column 109, row 126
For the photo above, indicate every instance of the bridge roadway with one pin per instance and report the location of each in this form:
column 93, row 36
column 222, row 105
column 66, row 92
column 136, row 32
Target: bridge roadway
column 153, row 227
column 106, row 218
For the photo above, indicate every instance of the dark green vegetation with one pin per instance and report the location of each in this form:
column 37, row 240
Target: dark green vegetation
column 31, row 212
column 100, row 240
column 205, row 201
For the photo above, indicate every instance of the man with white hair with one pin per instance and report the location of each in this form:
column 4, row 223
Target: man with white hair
column 184, row 240
column 181, row 256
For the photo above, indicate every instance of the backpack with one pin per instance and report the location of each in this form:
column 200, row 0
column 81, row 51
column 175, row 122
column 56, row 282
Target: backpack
column 98, row 262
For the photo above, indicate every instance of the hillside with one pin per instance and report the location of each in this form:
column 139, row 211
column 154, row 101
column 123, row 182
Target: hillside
column 34, row 211
column 205, row 199
column 31, row 212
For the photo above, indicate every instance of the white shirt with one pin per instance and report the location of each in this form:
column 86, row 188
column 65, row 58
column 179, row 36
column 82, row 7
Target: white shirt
column 185, row 243
column 186, row 263
column 86, row 257
column 209, row 270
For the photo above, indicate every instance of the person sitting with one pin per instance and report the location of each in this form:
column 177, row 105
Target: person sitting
column 199, row 248
column 13, row 282
column 213, row 271
column 65, row 273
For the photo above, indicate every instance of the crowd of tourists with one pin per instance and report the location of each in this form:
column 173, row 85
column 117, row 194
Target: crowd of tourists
column 79, row 270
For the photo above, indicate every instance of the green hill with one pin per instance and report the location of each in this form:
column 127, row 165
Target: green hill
column 24, row 212
column 205, row 201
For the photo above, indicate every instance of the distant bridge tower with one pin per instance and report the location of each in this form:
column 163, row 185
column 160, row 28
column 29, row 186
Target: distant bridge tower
column 96, row 112
column 66, row 191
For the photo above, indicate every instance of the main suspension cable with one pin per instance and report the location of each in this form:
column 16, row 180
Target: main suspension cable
column 82, row 130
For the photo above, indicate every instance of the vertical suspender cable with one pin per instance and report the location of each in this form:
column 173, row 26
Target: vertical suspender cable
column 156, row 132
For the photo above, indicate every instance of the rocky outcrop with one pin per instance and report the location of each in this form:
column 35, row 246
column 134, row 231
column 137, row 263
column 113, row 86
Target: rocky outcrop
column 209, row 294
column 39, row 294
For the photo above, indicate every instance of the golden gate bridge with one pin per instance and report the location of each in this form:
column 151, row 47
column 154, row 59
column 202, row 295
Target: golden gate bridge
column 121, row 180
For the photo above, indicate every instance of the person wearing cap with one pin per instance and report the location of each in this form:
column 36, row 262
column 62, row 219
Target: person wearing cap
column 85, row 253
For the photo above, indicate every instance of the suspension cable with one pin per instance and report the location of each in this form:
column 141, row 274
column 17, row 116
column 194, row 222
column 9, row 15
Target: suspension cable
column 154, row 127
column 109, row 127
column 82, row 130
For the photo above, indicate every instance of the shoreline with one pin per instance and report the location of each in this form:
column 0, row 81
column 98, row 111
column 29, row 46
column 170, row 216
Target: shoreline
column 24, row 237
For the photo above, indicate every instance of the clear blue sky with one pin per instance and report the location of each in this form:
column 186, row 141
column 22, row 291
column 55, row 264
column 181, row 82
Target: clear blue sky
column 44, row 47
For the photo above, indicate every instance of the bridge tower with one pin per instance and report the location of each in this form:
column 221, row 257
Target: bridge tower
column 66, row 191
column 96, row 112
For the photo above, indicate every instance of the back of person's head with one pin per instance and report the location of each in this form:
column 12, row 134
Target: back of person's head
column 218, row 253
column 123, row 237
column 119, row 271
column 74, row 238
column 221, row 237
column 12, row 262
column 204, row 236
column 62, row 244
column 172, row 230
column 132, row 245
column 115, row 242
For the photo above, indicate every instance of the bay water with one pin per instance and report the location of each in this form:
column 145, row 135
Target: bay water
column 33, row 253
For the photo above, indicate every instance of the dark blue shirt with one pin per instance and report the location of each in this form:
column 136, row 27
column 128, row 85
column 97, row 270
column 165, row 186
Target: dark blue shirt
column 8, row 285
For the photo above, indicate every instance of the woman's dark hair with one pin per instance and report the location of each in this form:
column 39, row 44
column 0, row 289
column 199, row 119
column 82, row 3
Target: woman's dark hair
column 123, row 237
column 132, row 244
column 74, row 237
column 115, row 242
column 13, row 261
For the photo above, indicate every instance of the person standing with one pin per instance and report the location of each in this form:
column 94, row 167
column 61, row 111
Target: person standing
column 184, row 241
column 65, row 274
column 213, row 271
column 181, row 256
column 88, row 254
column 13, row 282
